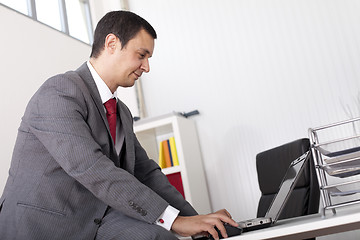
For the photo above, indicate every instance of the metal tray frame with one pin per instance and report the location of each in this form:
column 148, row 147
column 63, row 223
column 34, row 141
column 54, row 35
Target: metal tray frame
column 327, row 165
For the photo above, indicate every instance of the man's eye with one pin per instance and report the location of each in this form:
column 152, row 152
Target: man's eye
column 142, row 55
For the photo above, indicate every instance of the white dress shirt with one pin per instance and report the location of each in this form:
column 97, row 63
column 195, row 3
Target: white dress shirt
column 167, row 218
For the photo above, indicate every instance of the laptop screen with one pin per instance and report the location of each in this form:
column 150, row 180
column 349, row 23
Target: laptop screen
column 286, row 187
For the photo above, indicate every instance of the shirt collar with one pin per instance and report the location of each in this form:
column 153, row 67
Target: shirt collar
column 103, row 89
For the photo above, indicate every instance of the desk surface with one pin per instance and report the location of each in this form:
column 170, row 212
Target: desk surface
column 345, row 219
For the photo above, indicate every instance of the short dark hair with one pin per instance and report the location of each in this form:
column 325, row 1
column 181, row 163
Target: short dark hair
column 123, row 24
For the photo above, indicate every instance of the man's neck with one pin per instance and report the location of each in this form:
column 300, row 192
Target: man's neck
column 102, row 70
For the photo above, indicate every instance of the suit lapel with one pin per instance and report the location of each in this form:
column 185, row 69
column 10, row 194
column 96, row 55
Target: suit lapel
column 85, row 74
column 126, row 124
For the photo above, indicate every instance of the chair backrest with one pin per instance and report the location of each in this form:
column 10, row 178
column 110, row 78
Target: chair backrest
column 271, row 166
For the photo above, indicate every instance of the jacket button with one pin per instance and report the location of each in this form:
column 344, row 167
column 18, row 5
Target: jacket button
column 131, row 203
column 143, row 212
column 97, row 221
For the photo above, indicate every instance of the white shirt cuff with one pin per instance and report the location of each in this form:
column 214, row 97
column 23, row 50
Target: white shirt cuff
column 167, row 218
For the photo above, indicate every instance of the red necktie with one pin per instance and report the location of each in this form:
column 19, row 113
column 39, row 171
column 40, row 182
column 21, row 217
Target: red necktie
column 110, row 106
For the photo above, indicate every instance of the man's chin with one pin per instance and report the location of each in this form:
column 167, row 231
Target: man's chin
column 128, row 84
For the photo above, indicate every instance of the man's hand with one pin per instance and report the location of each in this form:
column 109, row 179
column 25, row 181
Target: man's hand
column 189, row 226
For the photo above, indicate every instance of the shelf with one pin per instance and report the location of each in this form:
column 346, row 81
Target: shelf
column 152, row 131
column 171, row 170
column 159, row 124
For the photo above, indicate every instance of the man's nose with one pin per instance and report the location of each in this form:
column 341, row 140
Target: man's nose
column 145, row 66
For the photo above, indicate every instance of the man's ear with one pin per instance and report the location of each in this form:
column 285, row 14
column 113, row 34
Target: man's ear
column 111, row 43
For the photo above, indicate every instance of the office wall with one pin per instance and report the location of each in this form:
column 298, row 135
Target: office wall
column 261, row 72
column 30, row 53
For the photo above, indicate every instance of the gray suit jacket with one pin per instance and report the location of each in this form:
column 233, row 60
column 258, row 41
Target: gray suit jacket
column 65, row 171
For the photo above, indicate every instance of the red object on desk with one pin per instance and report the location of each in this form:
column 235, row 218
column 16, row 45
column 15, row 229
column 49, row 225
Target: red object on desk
column 176, row 181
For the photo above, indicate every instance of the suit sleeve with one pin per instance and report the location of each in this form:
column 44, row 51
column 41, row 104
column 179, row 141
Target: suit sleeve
column 57, row 116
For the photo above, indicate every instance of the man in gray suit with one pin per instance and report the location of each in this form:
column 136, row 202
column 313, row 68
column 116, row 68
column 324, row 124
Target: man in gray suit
column 72, row 176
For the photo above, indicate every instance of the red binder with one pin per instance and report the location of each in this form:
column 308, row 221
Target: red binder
column 176, row 181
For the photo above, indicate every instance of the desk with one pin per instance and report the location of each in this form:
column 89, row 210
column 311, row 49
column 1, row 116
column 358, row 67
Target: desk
column 345, row 219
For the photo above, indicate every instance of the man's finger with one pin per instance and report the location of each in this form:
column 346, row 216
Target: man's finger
column 221, row 228
column 213, row 232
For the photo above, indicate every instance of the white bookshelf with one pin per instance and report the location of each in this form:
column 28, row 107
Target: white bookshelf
column 151, row 131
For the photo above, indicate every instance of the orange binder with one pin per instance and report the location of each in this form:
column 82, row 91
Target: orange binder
column 166, row 153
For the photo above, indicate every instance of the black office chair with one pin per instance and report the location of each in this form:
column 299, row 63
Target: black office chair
column 271, row 166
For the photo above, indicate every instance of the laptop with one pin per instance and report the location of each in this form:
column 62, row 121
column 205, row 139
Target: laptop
column 288, row 183
column 272, row 215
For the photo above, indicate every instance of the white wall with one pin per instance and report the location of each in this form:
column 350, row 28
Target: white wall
column 261, row 72
column 31, row 52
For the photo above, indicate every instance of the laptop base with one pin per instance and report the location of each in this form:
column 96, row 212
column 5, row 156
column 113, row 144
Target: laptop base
column 254, row 224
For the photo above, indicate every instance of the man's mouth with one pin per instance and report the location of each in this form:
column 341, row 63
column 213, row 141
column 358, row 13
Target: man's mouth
column 137, row 75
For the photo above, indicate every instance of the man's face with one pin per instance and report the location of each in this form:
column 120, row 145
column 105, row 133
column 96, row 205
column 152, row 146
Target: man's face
column 131, row 61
